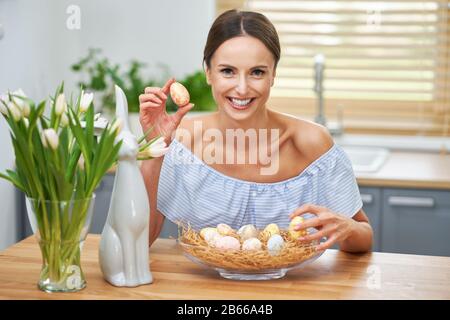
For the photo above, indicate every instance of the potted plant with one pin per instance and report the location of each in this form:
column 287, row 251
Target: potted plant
column 60, row 159
column 59, row 162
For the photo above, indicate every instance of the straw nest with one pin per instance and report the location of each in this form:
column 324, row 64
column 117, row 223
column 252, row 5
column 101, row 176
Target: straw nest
column 293, row 252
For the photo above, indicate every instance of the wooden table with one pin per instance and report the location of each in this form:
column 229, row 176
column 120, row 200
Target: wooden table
column 335, row 275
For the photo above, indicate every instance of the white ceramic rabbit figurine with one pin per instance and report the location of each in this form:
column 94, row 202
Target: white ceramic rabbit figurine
column 124, row 245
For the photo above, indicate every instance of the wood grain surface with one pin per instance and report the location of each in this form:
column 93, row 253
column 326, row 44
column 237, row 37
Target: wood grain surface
column 335, row 275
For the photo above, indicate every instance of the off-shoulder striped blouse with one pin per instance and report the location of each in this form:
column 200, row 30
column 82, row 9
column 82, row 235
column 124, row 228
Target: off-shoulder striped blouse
column 190, row 191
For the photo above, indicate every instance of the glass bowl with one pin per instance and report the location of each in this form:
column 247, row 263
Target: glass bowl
column 239, row 265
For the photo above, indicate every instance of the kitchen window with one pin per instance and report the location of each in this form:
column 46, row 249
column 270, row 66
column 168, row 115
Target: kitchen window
column 386, row 62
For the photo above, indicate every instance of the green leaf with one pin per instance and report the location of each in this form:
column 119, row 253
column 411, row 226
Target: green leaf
column 77, row 131
column 90, row 127
column 145, row 135
column 15, row 179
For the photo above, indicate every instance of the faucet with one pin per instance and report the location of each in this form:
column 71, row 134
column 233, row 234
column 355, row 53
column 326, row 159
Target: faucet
column 319, row 66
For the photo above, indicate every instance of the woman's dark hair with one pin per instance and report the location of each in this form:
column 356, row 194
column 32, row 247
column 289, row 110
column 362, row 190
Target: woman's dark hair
column 234, row 23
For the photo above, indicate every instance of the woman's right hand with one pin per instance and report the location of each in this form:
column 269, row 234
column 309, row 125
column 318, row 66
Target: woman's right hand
column 152, row 112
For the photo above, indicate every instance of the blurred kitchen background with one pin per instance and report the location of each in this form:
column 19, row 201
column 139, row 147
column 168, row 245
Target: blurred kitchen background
column 376, row 73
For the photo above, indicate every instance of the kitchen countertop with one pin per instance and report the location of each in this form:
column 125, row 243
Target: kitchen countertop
column 410, row 170
column 335, row 275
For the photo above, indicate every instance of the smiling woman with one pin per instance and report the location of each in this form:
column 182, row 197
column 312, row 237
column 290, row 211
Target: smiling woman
column 245, row 83
column 314, row 178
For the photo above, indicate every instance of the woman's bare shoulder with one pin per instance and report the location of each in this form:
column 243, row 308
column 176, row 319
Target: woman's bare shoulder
column 193, row 126
column 311, row 139
column 188, row 121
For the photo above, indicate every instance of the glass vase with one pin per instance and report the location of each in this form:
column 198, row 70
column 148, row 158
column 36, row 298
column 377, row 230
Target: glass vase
column 60, row 228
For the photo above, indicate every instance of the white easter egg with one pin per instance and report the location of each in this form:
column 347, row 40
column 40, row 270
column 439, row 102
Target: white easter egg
column 227, row 243
column 224, row 229
column 212, row 238
column 248, row 231
column 207, row 233
column 252, row 244
column 275, row 244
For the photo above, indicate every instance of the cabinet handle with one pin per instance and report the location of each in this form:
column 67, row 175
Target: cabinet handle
column 411, row 202
column 366, row 198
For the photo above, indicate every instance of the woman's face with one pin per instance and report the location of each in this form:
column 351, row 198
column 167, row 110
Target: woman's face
column 241, row 73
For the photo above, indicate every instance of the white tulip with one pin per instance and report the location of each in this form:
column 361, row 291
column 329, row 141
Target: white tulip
column 157, row 149
column 86, row 100
column 15, row 110
column 99, row 124
column 4, row 100
column 60, row 104
column 26, row 122
column 22, row 105
column 50, row 137
column 81, row 162
column 117, row 126
column 64, row 120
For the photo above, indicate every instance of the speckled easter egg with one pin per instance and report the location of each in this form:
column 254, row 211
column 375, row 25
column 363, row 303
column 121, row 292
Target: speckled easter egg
column 179, row 94
column 224, row 229
column 227, row 243
column 275, row 245
column 252, row 244
column 295, row 234
column 248, row 231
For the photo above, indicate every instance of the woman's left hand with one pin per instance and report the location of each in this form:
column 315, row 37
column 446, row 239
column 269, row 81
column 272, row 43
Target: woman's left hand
column 333, row 226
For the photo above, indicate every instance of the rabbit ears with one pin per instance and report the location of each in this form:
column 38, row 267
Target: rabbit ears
column 122, row 108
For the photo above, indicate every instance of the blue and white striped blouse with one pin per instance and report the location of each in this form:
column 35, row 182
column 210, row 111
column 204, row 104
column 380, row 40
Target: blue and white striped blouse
column 192, row 192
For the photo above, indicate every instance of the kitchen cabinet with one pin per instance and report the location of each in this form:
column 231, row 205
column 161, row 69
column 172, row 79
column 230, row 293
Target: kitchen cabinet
column 371, row 198
column 416, row 221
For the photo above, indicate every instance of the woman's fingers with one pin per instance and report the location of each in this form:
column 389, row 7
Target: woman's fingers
column 166, row 87
column 307, row 208
column 309, row 223
column 154, row 91
column 182, row 111
column 150, row 97
column 146, row 105
column 314, row 236
column 327, row 244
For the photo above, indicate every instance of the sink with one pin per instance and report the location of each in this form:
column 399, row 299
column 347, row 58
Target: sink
column 366, row 159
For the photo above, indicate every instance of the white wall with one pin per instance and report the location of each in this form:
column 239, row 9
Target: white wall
column 37, row 50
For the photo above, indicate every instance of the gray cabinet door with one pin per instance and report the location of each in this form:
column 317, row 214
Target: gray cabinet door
column 169, row 230
column 416, row 221
column 371, row 198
